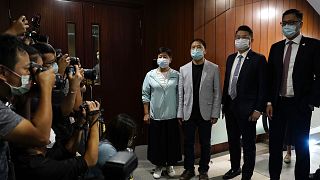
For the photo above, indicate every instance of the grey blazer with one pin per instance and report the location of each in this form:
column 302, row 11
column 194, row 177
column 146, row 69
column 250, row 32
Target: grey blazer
column 209, row 91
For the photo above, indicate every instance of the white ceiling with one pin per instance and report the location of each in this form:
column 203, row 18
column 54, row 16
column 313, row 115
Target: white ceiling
column 315, row 4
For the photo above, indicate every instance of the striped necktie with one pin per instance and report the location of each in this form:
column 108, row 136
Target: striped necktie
column 233, row 90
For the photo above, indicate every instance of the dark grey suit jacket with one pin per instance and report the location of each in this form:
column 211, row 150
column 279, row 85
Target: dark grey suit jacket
column 251, row 84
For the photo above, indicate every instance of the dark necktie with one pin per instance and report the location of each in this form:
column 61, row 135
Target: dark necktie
column 286, row 63
column 233, row 90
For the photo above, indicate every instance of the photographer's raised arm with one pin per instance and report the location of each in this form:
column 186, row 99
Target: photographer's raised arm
column 91, row 154
column 74, row 88
column 73, row 143
column 36, row 132
column 18, row 27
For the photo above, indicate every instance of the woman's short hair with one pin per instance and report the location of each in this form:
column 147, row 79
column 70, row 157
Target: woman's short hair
column 165, row 50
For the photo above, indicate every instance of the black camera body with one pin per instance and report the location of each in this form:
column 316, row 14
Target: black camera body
column 34, row 27
column 89, row 74
column 85, row 106
column 71, row 68
column 59, row 82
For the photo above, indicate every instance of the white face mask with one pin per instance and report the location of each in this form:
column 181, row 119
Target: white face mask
column 242, row 44
column 55, row 67
column 24, row 88
column 163, row 62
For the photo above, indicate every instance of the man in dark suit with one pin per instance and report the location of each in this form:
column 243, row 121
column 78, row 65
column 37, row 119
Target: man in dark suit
column 293, row 91
column 243, row 101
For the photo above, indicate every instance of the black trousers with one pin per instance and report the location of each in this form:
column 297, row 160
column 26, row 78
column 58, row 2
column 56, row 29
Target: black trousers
column 289, row 110
column 164, row 147
column 239, row 125
column 204, row 130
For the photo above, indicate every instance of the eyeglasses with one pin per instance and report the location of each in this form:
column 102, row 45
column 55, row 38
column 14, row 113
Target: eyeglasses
column 50, row 63
column 283, row 23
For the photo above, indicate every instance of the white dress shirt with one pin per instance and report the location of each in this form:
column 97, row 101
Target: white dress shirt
column 294, row 51
column 235, row 62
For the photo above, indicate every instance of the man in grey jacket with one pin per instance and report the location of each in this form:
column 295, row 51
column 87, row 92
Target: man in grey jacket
column 199, row 107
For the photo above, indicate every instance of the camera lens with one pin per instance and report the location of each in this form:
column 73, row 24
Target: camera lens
column 90, row 74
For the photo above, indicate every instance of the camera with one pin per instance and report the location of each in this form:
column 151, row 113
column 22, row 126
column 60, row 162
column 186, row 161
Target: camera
column 34, row 27
column 85, row 106
column 89, row 74
column 74, row 61
column 71, row 69
column 59, row 82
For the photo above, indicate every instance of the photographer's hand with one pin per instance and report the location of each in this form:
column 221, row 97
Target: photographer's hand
column 75, row 79
column 18, row 27
column 46, row 79
column 63, row 63
column 69, row 101
column 93, row 106
column 91, row 154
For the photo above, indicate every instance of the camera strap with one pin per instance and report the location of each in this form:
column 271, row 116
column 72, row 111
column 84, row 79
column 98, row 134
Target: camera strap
column 92, row 113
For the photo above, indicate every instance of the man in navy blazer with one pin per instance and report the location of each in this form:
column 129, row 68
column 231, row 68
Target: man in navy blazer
column 199, row 107
column 293, row 91
column 243, row 101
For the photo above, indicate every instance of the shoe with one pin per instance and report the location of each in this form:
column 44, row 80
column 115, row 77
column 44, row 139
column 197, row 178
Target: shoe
column 171, row 171
column 157, row 172
column 231, row 174
column 203, row 176
column 246, row 176
column 287, row 159
column 187, row 174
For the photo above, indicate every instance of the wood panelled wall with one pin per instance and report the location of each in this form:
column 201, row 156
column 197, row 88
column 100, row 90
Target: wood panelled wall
column 131, row 31
column 217, row 20
column 168, row 23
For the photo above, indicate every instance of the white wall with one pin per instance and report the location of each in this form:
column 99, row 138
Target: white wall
column 219, row 132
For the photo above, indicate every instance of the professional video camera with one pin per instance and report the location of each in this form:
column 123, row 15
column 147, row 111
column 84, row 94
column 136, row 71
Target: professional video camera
column 89, row 74
column 59, row 83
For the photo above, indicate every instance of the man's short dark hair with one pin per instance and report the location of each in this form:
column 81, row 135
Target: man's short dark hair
column 9, row 47
column 31, row 50
column 245, row 28
column 296, row 12
column 44, row 48
column 201, row 41
column 165, row 50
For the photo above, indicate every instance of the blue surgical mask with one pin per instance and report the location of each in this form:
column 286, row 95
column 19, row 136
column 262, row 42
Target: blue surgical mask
column 289, row 30
column 24, row 88
column 242, row 44
column 55, row 67
column 197, row 54
column 163, row 62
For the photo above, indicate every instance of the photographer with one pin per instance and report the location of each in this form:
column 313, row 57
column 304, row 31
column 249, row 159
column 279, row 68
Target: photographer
column 15, row 81
column 61, row 163
column 63, row 102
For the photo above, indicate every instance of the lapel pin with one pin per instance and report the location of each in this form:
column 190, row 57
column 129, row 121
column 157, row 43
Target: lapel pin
column 303, row 44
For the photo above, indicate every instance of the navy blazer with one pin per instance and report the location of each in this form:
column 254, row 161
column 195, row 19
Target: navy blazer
column 305, row 75
column 251, row 84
